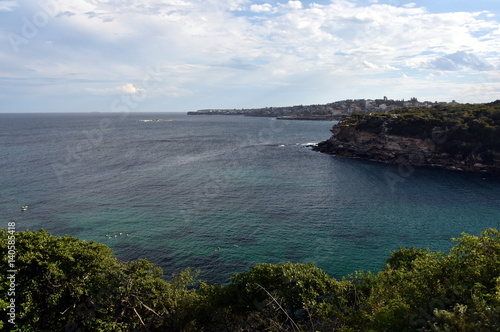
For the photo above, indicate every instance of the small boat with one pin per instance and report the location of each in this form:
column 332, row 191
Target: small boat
column 155, row 120
column 24, row 207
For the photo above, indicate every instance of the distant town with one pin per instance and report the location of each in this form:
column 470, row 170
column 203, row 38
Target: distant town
column 331, row 111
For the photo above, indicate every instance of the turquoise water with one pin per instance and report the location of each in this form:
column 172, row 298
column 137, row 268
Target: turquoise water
column 182, row 188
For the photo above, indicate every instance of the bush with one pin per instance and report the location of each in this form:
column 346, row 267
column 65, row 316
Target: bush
column 67, row 284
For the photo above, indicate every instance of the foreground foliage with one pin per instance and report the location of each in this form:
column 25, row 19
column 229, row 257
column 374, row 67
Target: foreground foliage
column 65, row 284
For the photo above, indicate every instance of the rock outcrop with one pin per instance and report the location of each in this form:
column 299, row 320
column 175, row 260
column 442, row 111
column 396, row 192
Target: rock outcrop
column 350, row 141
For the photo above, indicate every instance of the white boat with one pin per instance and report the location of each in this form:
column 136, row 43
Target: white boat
column 155, row 120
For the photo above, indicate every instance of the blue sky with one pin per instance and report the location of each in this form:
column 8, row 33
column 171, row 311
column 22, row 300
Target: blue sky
column 181, row 55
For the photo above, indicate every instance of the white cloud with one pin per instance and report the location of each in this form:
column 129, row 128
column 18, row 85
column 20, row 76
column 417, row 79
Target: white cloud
column 8, row 6
column 376, row 33
column 291, row 5
column 369, row 65
column 410, row 5
column 102, row 16
column 237, row 5
column 206, row 46
column 389, row 67
column 144, row 89
column 264, row 8
column 458, row 61
column 128, row 88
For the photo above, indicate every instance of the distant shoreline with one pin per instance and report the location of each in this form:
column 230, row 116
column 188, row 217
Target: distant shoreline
column 334, row 111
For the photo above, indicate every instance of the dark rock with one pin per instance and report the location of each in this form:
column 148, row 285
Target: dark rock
column 348, row 141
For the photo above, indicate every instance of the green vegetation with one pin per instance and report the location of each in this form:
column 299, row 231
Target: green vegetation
column 65, row 284
column 475, row 126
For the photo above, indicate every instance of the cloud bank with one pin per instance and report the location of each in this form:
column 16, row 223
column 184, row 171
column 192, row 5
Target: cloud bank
column 242, row 53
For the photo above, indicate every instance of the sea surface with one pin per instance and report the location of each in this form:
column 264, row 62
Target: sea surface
column 222, row 193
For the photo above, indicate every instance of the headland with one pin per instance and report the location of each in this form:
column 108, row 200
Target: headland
column 460, row 137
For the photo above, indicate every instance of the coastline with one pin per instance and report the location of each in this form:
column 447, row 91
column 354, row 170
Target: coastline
column 397, row 150
column 418, row 137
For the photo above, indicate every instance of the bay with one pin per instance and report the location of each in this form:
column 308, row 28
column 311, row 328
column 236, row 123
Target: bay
column 222, row 193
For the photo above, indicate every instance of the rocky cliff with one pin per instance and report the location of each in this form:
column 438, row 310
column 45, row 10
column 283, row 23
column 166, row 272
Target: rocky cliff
column 419, row 140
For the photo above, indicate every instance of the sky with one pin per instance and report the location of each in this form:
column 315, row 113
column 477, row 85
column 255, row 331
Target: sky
column 184, row 55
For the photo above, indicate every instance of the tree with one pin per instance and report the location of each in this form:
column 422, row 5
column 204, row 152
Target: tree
column 425, row 290
column 63, row 283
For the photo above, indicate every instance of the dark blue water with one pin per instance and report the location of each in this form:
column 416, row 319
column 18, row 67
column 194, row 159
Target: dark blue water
column 182, row 188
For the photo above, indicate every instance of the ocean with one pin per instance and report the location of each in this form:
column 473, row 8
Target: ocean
column 222, row 193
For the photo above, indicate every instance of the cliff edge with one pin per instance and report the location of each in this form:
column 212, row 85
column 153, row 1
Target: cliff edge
column 464, row 137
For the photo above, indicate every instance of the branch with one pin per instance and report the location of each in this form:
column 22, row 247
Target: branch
column 145, row 306
column 284, row 311
column 140, row 318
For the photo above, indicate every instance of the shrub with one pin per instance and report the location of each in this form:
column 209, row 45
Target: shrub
column 67, row 284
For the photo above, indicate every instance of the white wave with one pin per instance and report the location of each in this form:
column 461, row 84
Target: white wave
column 308, row 144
